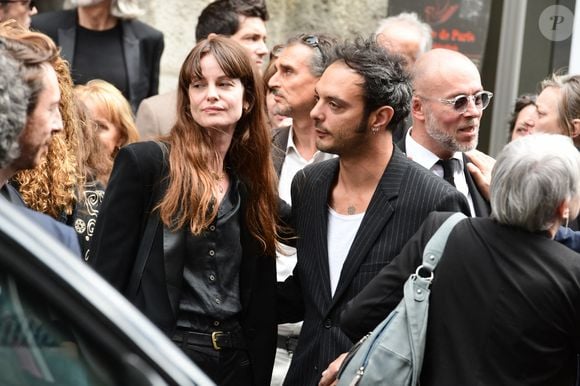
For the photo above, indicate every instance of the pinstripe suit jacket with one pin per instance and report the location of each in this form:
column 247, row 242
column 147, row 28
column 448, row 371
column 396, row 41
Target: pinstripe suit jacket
column 405, row 195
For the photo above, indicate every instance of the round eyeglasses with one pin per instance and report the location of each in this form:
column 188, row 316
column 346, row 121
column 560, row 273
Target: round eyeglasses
column 461, row 102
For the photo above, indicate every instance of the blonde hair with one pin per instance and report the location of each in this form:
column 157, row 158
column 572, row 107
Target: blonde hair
column 95, row 160
column 111, row 101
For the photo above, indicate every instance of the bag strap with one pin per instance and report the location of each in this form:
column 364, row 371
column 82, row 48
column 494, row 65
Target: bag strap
column 416, row 291
column 434, row 248
column 148, row 235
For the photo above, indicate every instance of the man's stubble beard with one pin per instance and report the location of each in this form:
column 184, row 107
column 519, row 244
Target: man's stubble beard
column 444, row 138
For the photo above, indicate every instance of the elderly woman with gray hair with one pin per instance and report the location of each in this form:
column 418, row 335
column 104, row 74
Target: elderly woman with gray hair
column 102, row 39
column 505, row 301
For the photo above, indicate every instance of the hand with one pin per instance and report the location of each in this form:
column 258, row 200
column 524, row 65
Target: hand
column 329, row 375
column 480, row 167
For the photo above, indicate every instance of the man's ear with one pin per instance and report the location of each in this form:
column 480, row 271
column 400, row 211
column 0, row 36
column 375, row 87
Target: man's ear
column 381, row 117
column 417, row 108
column 563, row 210
column 575, row 127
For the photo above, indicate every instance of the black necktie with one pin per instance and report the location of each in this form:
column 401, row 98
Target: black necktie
column 449, row 167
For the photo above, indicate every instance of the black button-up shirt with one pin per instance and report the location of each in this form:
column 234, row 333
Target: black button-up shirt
column 212, row 269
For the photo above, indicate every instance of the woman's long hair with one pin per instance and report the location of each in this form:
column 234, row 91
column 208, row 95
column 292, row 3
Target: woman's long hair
column 190, row 198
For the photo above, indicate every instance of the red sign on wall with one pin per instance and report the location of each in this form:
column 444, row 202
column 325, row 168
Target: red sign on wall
column 459, row 25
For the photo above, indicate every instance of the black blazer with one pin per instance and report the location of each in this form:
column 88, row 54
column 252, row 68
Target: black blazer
column 406, row 194
column 504, row 305
column 142, row 46
column 120, row 225
column 480, row 204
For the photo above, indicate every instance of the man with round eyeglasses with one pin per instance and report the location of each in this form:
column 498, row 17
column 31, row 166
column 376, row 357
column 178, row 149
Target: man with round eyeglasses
column 447, row 106
column 19, row 10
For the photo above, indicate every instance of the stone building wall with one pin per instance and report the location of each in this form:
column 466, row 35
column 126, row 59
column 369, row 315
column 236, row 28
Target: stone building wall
column 177, row 20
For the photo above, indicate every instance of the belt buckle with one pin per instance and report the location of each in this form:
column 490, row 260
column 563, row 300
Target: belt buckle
column 214, row 337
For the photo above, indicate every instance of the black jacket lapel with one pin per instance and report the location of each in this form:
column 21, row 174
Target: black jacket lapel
column 378, row 214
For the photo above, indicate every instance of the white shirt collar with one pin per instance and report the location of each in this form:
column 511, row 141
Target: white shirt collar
column 424, row 156
column 290, row 144
column 291, row 147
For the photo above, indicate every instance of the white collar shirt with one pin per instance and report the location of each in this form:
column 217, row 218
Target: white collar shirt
column 294, row 162
column 428, row 160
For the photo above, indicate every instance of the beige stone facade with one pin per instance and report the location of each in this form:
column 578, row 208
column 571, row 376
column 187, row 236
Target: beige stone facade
column 177, row 20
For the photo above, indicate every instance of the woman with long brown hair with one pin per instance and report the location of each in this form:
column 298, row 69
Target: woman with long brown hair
column 208, row 275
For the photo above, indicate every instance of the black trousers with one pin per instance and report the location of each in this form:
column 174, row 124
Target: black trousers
column 226, row 367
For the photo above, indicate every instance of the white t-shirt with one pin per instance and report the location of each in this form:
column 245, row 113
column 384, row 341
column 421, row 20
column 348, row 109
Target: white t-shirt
column 342, row 230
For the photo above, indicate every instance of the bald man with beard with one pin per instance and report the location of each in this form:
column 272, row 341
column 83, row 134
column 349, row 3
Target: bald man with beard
column 446, row 107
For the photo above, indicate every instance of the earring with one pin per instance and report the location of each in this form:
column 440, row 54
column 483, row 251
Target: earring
column 375, row 129
column 566, row 217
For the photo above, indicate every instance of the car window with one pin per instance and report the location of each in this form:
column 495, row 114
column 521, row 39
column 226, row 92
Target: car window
column 61, row 324
column 41, row 345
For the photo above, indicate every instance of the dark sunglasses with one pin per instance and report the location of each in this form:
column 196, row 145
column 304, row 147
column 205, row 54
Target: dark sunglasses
column 28, row 3
column 461, row 102
column 312, row 41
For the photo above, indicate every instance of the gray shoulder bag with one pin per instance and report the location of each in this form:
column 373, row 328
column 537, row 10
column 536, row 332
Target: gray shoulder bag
column 392, row 354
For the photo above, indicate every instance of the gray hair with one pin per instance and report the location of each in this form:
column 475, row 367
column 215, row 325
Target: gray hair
column 14, row 98
column 123, row 9
column 321, row 50
column 531, row 178
column 126, row 9
column 409, row 19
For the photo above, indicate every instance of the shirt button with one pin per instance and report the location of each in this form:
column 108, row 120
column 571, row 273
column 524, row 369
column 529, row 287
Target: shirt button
column 216, row 323
column 211, row 252
column 212, row 228
column 211, row 277
column 218, row 300
column 327, row 323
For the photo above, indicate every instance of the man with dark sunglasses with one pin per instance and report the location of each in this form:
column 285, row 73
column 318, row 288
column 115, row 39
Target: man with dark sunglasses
column 19, row 10
column 447, row 105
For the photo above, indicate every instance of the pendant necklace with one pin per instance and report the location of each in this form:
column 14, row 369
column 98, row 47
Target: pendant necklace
column 219, row 178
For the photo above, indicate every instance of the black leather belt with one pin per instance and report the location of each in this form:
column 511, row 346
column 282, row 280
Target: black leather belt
column 287, row 343
column 217, row 339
